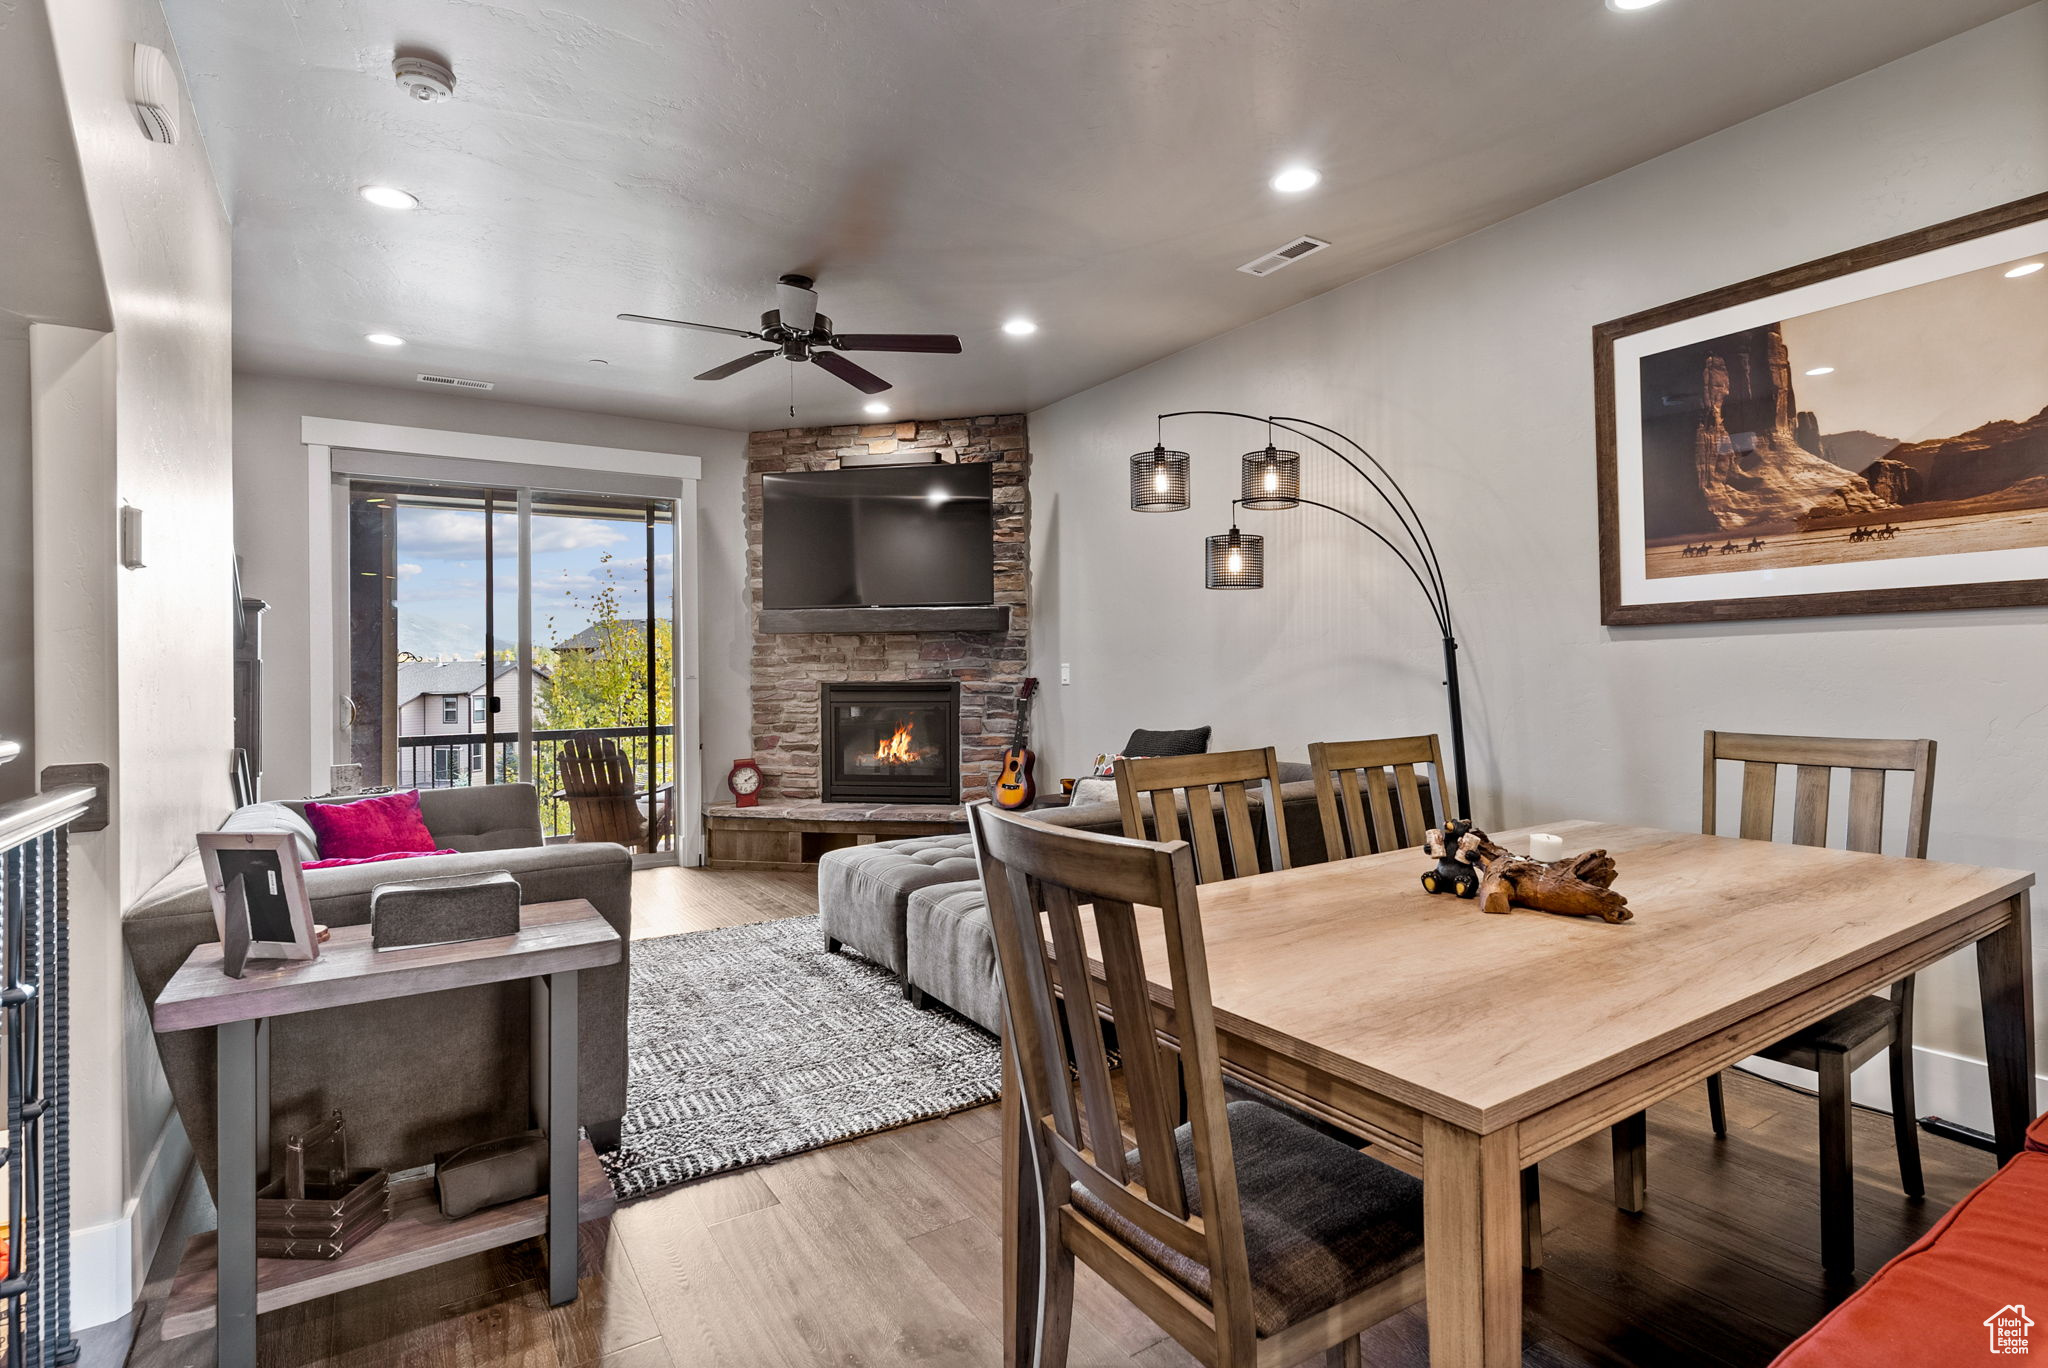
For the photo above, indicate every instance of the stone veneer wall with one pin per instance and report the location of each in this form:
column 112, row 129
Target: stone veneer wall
column 788, row 667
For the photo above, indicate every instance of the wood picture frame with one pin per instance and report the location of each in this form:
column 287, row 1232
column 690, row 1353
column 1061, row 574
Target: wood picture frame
column 1844, row 552
column 280, row 919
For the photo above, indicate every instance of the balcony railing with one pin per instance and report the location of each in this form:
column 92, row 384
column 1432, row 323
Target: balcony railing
column 457, row 761
column 35, row 1292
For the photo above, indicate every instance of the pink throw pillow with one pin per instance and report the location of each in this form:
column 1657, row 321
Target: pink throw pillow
column 379, row 859
column 383, row 825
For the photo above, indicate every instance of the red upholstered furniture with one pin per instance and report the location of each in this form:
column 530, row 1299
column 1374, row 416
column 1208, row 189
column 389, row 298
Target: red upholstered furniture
column 1935, row 1305
column 2037, row 1134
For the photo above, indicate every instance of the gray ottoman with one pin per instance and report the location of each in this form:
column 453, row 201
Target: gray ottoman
column 864, row 892
column 953, row 952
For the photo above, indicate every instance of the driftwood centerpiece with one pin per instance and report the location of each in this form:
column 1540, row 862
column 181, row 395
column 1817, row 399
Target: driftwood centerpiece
column 1469, row 863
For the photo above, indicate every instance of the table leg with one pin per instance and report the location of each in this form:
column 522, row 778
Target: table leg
column 1472, row 1245
column 239, row 1064
column 2005, row 983
column 563, row 1166
column 1020, row 1227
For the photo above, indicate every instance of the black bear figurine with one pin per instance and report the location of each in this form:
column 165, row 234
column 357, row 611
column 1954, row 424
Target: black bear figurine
column 1454, row 872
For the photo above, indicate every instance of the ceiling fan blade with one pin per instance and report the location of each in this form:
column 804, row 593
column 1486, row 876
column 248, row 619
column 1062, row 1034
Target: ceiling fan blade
column 693, row 327
column 797, row 304
column 862, row 379
column 897, row 342
column 738, row 364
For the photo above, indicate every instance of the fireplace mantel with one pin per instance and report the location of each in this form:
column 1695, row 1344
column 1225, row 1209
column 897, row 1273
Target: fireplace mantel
column 977, row 618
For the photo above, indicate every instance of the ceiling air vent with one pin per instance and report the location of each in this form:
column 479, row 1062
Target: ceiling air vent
column 456, row 382
column 1283, row 256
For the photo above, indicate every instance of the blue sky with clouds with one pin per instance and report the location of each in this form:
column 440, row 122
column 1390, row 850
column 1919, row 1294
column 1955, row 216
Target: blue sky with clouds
column 441, row 576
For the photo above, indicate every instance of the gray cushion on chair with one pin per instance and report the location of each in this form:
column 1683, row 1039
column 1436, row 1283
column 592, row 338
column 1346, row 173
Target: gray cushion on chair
column 953, row 951
column 864, row 891
column 1322, row 1222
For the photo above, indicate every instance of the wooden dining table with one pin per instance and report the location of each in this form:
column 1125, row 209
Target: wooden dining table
column 1469, row 1047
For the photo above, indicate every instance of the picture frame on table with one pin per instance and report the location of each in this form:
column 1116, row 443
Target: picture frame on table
column 1864, row 433
column 258, row 889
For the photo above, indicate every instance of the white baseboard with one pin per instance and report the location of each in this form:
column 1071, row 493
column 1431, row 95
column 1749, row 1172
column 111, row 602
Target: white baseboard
column 110, row 1261
column 1944, row 1085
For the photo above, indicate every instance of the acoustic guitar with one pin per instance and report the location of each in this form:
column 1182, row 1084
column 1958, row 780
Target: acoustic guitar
column 1015, row 787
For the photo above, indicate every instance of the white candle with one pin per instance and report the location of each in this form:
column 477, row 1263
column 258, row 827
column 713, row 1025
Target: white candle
column 1544, row 846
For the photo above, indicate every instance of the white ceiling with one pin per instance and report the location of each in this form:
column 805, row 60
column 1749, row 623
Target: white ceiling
column 1099, row 165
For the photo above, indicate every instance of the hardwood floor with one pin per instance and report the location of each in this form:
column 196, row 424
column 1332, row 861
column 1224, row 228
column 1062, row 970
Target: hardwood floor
column 884, row 1251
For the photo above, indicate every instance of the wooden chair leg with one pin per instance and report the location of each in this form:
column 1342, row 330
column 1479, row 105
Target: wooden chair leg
column 1631, row 1140
column 1837, row 1168
column 1905, row 1118
column 1056, row 1307
column 1717, row 1106
column 1349, row 1354
column 1532, row 1220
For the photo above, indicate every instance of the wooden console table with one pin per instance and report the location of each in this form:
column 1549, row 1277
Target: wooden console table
column 220, row 1282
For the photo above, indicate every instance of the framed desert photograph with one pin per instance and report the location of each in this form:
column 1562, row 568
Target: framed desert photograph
column 1866, row 433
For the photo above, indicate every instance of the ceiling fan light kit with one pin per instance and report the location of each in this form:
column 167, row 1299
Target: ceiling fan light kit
column 797, row 332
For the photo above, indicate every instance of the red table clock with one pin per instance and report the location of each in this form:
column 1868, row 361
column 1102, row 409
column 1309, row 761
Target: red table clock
column 744, row 779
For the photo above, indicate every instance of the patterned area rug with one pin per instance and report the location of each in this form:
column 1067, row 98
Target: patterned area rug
column 750, row 1042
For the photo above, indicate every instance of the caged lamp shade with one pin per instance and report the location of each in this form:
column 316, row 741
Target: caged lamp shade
column 1159, row 481
column 1235, row 560
column 1272, row 479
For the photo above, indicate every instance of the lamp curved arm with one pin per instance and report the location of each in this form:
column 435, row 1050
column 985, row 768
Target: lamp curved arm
column 1418, row 535
column 1421, row 529
column 1436, row 609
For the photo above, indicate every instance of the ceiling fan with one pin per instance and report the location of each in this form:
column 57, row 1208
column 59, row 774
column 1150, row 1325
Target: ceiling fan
column 800, row 333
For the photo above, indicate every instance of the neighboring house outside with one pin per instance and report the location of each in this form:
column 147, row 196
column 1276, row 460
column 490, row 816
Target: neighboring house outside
column 446, row 698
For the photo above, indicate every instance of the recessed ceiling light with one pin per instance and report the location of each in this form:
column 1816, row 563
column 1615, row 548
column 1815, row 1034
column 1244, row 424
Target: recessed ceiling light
column 1822, row 370
column 2016, row 272
column 1020, row 327
column 1295, row 179
column 877, row 408
column 384, row 339
column 389, row 197
column 1626, row 5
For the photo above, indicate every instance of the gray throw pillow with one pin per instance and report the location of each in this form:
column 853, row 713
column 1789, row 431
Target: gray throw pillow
column 1188, row 741
column 276, row 817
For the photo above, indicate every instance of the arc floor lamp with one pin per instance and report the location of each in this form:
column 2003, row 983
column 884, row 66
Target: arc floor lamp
column 1270, row 479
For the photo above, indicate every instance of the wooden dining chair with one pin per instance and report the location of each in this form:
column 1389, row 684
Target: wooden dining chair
column 1164, row 786
column 1248, row 1237
column 1370, row 797
column 605, row 802
column 1835, row 1045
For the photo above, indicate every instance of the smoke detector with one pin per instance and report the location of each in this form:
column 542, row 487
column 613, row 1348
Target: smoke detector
column 155, row 94
column 423, row 78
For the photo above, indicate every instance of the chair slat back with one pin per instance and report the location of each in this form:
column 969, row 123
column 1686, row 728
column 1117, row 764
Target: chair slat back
column 1815, row 759
column 1037, row 879
column 1161, row 787
column 1369, row 796
column 597, row 779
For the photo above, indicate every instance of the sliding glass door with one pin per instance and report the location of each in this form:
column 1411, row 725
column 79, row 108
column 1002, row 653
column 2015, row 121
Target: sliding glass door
column 500, row 634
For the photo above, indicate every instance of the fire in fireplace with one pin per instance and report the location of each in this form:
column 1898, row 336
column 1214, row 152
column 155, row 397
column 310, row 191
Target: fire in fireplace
column 891, row 742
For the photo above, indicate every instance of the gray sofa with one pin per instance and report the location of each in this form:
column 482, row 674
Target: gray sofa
column 915, row 906
column 415, row 1076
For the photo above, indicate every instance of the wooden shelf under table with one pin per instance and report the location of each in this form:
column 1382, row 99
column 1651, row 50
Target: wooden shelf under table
column 417, row 1236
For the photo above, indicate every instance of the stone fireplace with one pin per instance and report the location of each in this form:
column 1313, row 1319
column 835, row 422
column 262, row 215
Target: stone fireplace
column 980, row 669
column 890, row 743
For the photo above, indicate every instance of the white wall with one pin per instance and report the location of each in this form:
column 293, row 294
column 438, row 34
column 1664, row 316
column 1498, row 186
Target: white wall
column 1468, row 371
column 162, row 240
column 272, row 499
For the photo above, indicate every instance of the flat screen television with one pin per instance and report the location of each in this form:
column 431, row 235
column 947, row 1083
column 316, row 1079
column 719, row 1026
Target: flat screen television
column 878, row 537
